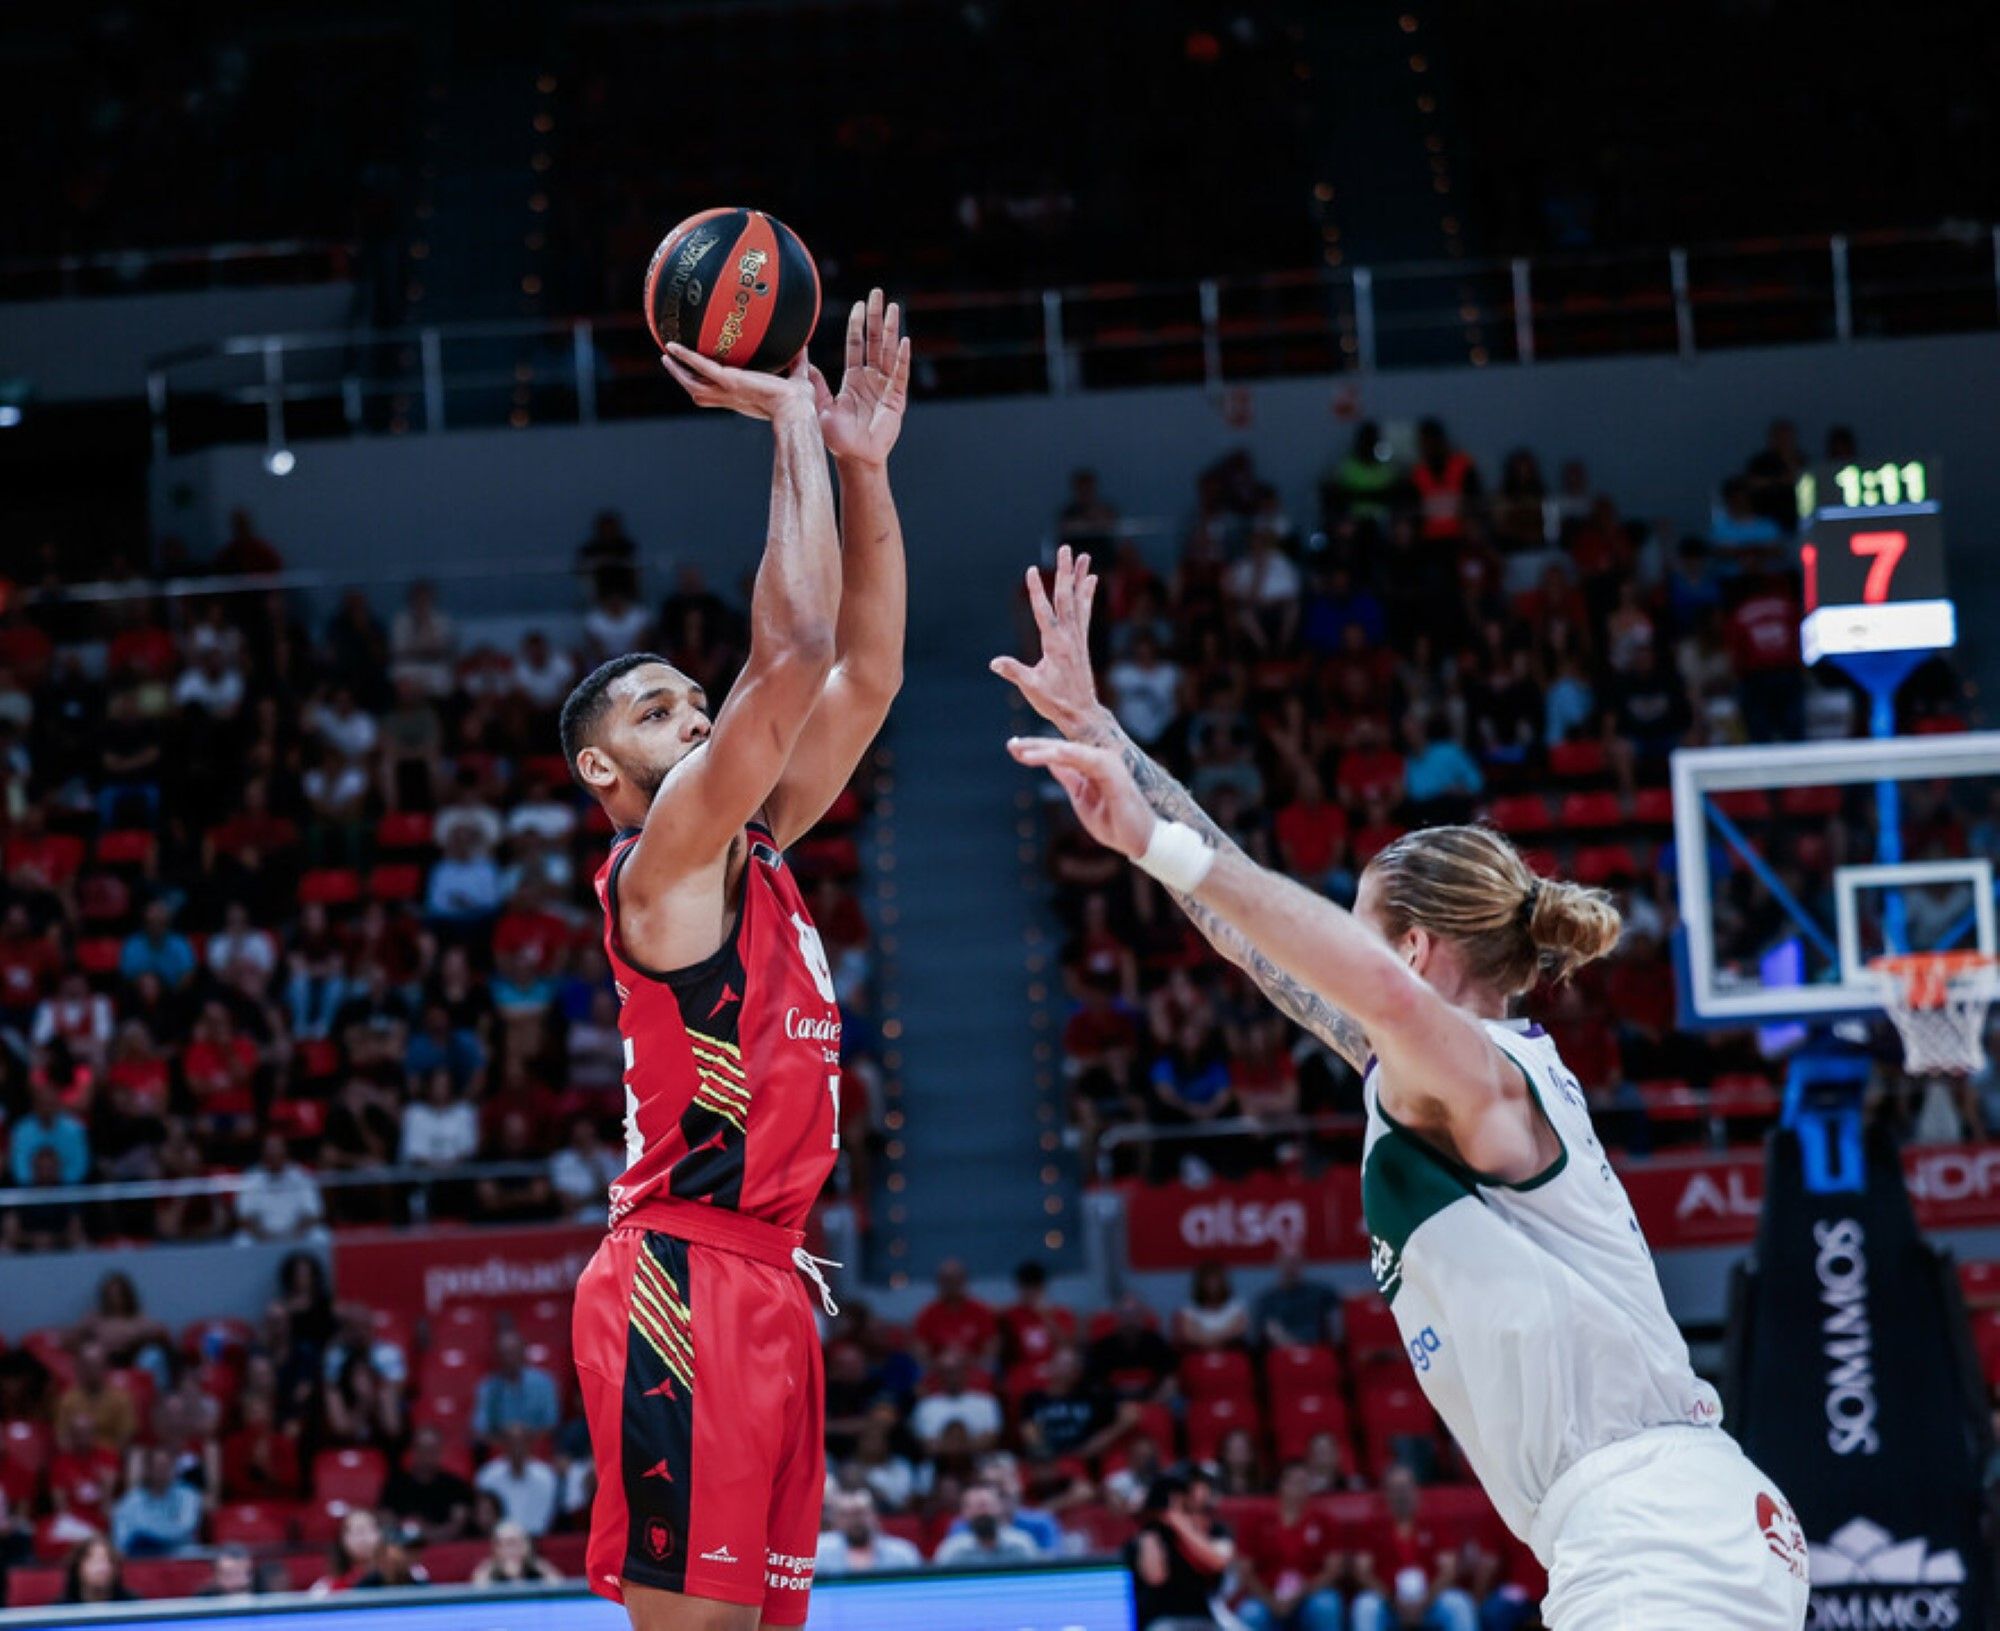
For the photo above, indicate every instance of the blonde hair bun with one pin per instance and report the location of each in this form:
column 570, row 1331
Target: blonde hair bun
column 1571, row 925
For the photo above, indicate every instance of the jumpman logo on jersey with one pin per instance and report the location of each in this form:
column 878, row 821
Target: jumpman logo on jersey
column 664, row 1391
column 729, row 995
column 658, row 1470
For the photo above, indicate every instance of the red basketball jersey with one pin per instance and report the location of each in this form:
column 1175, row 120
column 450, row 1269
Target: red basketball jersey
column 732, row 1066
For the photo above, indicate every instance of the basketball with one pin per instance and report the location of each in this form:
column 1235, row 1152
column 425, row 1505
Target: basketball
column 736, row 285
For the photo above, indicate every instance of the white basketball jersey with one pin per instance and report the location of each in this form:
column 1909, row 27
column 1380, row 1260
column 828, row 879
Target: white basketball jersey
column 1531, row 1311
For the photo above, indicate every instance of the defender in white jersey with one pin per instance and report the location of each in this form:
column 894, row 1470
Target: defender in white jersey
column 1502, row 1239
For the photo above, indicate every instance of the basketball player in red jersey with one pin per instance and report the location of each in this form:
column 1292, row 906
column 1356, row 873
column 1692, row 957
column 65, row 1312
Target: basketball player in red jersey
column 696, row 1348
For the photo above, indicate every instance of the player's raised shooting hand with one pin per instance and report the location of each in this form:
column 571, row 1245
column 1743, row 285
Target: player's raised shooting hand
column 862, row 423
column 1106, row 799
column 1060, row 687
column 742, row 390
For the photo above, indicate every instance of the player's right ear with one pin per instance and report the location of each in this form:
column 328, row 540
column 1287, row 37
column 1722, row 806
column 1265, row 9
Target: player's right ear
column 595, row 770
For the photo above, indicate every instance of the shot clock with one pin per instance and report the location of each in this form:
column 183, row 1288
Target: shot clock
column 1871, row 560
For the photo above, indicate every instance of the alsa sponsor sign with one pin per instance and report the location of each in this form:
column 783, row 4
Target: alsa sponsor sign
column 1712, row 1201
column 1251, row 1220
column 421, row 1275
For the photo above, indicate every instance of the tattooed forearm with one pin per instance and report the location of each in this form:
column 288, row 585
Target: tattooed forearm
column 1172, row 802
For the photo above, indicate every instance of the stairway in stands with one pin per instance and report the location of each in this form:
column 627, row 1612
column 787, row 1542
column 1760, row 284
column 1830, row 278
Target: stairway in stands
column 977, row 1177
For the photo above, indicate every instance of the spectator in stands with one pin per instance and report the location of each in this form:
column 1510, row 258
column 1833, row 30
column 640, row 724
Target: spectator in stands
column 542, row 676
column 583, row 1171
column 609, row 557
column 260, row 1459
column 1439, row 777
column 530, row 1198
column 465, row 891
column 1070, row 1417
column 45, row 1226
column 235, row 1575
column 1130, row 1472
column 877, row 1463
column 1033, row 1327
column 1291, row 1566
column 336, row 793
column 987, row 1537
column 955, row 1319
column 219, row 1069
column 362, row 1410
column 83, row 1474
column 1295, row 1310
column 513, row 1560
column 855, row 1542
column 423, row 642
column 157, row 950
column 1144, row 690
column 79, row 1017
column 159, row 1515
column 1213, row 1316
column 525, row 1484
column 429, row 1501
column 411, row 739
column 241, row 946
column 440, row 1129
column 212, row 686
column 958, row 1396
column 278, row 1199
column 1263, row 588
column 363, row 1560
column 1178, row 1558
column 1366, row 481
column 1419, row 1568
column 129, row 761
column 95, row 1573
column 514, row 1393
column 1087, row 521
column 1239, row 1464
column 48, row 1127
column 1132, row 1360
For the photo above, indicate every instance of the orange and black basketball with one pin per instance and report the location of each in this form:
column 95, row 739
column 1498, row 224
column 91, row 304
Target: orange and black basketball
column 736, row 285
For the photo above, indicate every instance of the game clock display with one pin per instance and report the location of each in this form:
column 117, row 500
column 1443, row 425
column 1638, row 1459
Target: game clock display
column 1871, row 561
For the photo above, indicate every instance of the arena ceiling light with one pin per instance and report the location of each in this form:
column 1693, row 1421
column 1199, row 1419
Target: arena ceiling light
column 280, row 461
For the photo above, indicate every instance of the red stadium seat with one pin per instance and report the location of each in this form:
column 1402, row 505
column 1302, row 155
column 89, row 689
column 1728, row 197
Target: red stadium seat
column 318, row 1058
column 1653, row 807
column 26, row 1444
column 259, row 1524
column 395, row 884
column 138, row 1385
column 1743, row 803
column 51, row 1346
column 1104, row 1532
column 1292, row 1370
column 908, row 1526
column 330, row 886
column 299, row 1120
column 103, row 899
column 1590, row 812
column 126, row 846
column 464, row 1325
column 1209, row 1421
column 159, row 1579
column 34, row 1588
column 452, row 1371
column 98, row 954
column 1578, row 761
column 1520, row 815
column 1156, row 1422
column 452, row 1563
column 353, row 1476
column 1601, row 864
column 1370, row 1330
column 1215, row 1373
column 1543, row 863
column 547, row 1319
column 449, row 1413
column 1823, row 802
column 1302, row 1417
column 403, row 829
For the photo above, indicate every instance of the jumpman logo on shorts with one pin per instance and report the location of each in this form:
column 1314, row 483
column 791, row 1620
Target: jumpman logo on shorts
column 664, row 1391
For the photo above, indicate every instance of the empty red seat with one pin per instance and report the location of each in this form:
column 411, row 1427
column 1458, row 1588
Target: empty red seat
column 157, row 1579
column 1209, row 1421
column 353, row 1476
column 1520, row 814
column 396, row 883
column 1155, row 1422
column 330, row 886
column 1104, row 1532
column 1653, row 807
column 403, row 829
column 450, row 1413
column 127, row 846
column 1217, row 1373
column 1591, row 811
column 1370, row 1330
column 298, row 1119
column 464, row 1325
column 451, row 1370
column 98, row 954
column 911, row 1527
column 1293, row 1369
column 318, row 1058
column 1300, row 1418
column 1601, row 864
column 261, row 1524
column 1578, row 761
column 1543, row 863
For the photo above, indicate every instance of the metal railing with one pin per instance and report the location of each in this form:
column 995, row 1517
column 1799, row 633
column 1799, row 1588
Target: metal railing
column 1216, row 332
column 1224, row 1129
column 162, row 271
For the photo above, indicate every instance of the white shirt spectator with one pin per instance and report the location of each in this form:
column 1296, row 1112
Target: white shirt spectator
column 436, row 1136
column 616, row 631
column 1271, row 582
column 480, row 819
column 1146, row 698
column 252, row 948
column 584, row 1181
column 220, row 694
column 528, row 1496
column 353, row 732
column 547, row 682
column 279, row 1205
column 894, row 1482
column 1010, row 1545
column 343, row 785
column 980, row 1412
column 889, row 1552
column 85, row 1024
column 542, row 818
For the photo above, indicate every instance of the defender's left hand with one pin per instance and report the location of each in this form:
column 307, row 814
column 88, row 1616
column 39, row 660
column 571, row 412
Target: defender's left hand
column 861, row 424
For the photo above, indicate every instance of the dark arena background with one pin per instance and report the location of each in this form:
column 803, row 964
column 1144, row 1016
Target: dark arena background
column 1579, row 418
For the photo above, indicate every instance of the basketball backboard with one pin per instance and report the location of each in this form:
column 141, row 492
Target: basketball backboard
column 1796, row 864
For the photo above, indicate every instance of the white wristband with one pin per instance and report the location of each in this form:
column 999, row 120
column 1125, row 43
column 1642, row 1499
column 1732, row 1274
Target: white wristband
column 1177, row 856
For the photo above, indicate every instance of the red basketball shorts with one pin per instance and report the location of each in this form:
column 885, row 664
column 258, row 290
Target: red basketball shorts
column 699, row 1364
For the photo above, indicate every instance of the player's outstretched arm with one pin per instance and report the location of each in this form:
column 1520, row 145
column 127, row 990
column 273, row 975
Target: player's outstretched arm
column 860, row 426
column 1439, row 1066
column 1061, row 689
column 711, row 793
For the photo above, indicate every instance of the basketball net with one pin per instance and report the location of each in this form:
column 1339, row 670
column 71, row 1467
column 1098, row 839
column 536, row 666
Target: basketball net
column 1938, row 1000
